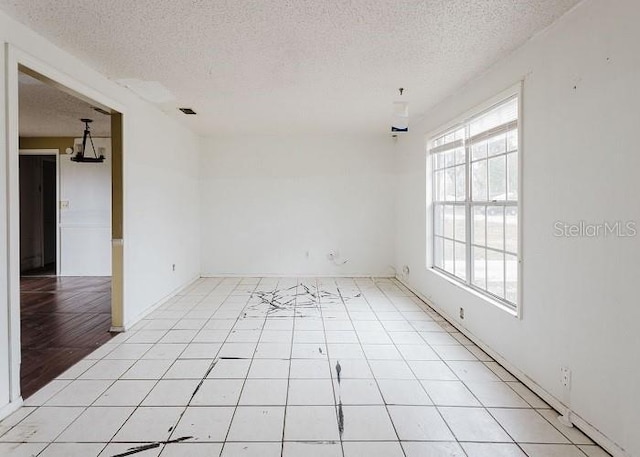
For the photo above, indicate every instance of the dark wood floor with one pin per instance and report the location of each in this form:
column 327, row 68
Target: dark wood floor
column 62, row 320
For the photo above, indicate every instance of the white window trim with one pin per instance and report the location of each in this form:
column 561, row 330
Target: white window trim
column 515, row 90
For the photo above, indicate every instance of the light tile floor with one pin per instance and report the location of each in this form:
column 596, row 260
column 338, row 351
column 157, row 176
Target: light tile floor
column 290, row 367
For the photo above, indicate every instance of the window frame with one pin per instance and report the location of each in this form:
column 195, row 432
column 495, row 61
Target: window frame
column 468, row 204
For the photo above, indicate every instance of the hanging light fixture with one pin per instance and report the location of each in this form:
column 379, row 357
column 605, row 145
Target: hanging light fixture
column 80, row 154
column 400, row 120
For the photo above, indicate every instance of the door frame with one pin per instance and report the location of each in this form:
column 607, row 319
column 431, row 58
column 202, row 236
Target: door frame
column 56, row 154
column 18, row 60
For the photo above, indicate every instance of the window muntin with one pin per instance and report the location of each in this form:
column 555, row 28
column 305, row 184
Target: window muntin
column 475, row 201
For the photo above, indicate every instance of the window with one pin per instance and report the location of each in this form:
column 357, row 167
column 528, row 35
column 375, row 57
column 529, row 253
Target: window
column 475, row 202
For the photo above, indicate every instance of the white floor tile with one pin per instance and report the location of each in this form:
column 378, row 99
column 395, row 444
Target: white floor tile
column 403, row 392
column 171, row 392
column 350, row 369
column 21, row 449
column 96, row 425
column 264, row 392
column 107, row 369
column 449, row 393
column 367, row 423
column 551, row 450
column 273, row 351
column 269, row 369
column 188, row 369
column 218, row 392
column 206, row 351
column 311, row 423
column 319, row 356
column 79, row 393
column 573, row 433
column 310, row 392
column 129, row 351
column 391, row 369
column 527, row 425
column 419, row 423
column 230, row 368
column 149, row 424
column 72, row 450
column 125, row 393
column 424, row 449
column 191, row 449
column 43, row 395
column 358, row 392
column 492, row 450
column 372, row 449
column 251, row 450
column 317, row 449
column 148, row 369
column 43, row 425
column 432, row 370
column 257, row 423
column 473, row 424
column 496, row 394
column 165, row 351
column 472, row 371
column 204, row 424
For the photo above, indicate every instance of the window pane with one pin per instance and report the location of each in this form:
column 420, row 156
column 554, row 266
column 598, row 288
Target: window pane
column 448, row 256
column 497, row 145
column 512, row 176
column 448, row 221
column 460, row 183
column 479, row 218
column 479, row 181
column 495, row 273
column 498, row 116
column 438, row 258
column 460, row 223
column 511, row 229
column 439, row 185
column 479, row 150
column 512, row 140
column 511, row 271
column 460, row 262
column 438, row 220
column 495, row 227
column 497, row 178
column 447, row 158
column 450, row 184
column 460, row 155
column 479, row 268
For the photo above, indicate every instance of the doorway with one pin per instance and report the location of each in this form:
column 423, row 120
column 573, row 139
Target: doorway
column 67, row 273
column 39, row 212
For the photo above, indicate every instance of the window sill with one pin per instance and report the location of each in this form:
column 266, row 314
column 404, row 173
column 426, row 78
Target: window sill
column 513, row 312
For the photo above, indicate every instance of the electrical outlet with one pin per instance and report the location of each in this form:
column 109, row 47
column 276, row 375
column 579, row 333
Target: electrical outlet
column 461, row 313
column 64, row 204
column 565, row 377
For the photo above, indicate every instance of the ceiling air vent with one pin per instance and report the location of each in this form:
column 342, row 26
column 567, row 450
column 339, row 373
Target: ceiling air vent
column 187, row 110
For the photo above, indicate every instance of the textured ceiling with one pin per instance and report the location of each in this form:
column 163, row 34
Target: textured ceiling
column 47, row 111
column 288, row 65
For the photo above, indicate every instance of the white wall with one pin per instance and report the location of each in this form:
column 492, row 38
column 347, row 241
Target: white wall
column 267, row 201
column 85, row 224
column 161, row 224
column 581, row 162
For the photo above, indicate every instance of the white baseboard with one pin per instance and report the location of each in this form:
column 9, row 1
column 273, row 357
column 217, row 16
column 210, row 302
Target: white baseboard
column 10, row 408
column 592, row 432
